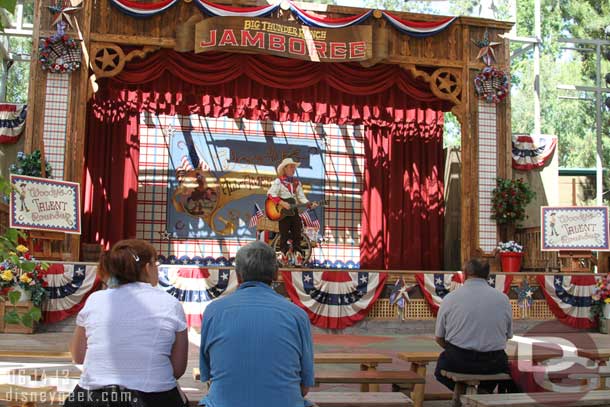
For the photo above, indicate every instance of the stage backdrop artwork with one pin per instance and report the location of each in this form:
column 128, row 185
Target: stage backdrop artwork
column 44, row 204
column 574, row 228
column 219, row 176
column 341, row 147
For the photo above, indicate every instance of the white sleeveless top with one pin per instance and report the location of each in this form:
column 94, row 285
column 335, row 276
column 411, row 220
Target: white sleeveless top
column 130, row 333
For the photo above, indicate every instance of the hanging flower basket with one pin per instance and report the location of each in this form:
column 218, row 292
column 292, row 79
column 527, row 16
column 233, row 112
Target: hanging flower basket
column 492, row 85
column 59, row 54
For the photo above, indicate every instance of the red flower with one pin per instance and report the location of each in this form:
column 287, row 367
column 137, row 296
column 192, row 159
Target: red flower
column 44, row 283
column 27, row 256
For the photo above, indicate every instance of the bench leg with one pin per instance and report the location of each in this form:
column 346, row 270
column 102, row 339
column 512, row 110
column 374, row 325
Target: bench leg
column 458, row 390
column 417, row 395
column 372, row 386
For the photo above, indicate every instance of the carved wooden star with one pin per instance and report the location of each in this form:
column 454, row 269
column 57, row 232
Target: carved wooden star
column 107, row 59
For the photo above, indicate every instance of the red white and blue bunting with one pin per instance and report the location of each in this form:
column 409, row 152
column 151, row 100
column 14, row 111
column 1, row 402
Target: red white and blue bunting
column 196, row 287
column 419, row 29
column 569, row 298
column 334, row 300
column 12, row 122
column 436, row 286
column 69, row 285
column 142, row 10
column 327, row 22
column 531, row 152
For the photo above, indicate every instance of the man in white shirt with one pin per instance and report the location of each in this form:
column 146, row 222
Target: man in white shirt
column 473, row 325
column 287, row 191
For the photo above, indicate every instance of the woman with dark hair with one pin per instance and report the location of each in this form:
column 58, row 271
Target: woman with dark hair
column 131, row 338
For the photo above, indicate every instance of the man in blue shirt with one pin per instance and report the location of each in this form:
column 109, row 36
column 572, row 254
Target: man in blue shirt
column 256, row 347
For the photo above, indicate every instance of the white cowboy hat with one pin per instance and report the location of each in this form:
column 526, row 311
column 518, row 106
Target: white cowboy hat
column 287, row 161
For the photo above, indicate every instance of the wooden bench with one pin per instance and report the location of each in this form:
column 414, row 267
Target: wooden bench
column 467, row 383
column 12, row 354
column 369, row 377
column 592, row 398
column 419, row 364
column 358, row 399
column 367, row 362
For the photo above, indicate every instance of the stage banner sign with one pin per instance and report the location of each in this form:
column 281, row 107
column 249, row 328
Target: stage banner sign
column 574, row 228
column 44, row 204
column 285, row 39
column 217, row 178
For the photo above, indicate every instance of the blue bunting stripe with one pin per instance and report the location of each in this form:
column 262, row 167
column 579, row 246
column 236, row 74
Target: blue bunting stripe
column 318, row 22
column 69, row 285
column 216, row 10
column 142, row 10
column 196, row 287
column 419, row 29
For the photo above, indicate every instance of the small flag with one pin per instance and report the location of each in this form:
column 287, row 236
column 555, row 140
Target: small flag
column 310, row 219
column 185, row 165
column 258, row 214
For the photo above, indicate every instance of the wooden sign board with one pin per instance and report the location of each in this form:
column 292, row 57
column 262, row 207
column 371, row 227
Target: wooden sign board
column 574, row 228
column 44, row 204
column 287, row 39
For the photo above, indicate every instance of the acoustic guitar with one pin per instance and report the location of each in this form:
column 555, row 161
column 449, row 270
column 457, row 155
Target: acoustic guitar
column 276, row 212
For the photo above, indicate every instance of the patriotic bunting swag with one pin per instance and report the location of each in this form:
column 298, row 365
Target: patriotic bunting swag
column 436, row 286
column 196, row 287
column 12, row 122
column 418, row 29
column 531, row 152
column 569, row 298
column 69, row 285
column 334, row 300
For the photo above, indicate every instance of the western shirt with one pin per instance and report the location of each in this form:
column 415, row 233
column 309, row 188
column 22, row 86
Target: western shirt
column 476, row 316
column 256, row 349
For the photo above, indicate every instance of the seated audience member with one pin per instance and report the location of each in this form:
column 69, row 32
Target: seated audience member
column 256, row 347
column 131, row 337
column 473, row 324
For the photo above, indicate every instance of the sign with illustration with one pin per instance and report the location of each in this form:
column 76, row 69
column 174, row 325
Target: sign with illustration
column 45, row 204
column 574, row 228
column 217, row 178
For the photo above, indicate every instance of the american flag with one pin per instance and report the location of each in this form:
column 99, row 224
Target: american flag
column 185, row 165
column 258, row 213
column 310, row 219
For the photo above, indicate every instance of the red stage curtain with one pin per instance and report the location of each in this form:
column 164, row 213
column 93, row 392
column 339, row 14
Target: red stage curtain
column 385, row 98
column 111, row 175
column 403, row 204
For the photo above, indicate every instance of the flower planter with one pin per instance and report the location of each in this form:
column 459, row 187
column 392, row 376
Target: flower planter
column 21, row 308
column 511, row 261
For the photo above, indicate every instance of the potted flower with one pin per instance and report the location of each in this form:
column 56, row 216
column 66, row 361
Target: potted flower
column 600, row 306
column 511, row 254
column 508, row 202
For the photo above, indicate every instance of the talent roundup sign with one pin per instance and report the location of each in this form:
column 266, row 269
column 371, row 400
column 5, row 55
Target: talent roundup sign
column 44, row 204
column 286, row 39
column 574, row 228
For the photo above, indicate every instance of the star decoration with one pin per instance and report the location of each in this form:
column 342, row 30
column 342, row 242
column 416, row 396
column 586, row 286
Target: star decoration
column 107, row 59
column 164, row 234
column 487, row 52
column 307, row 278
column 438, row 281
column 224, row 276
column 445, row 83
column 364, row 279
column 491, row 281
column 525, row 295
column 65, row 12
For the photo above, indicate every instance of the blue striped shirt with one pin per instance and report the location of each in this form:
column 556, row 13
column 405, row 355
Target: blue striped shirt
column 256, row 349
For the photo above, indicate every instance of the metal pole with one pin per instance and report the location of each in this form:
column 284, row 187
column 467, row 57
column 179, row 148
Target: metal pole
column 599, row 184
column 538, row 35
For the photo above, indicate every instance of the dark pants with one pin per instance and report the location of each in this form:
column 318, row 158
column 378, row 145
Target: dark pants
column 291, row 227
column 460, row 360
column 117, row 396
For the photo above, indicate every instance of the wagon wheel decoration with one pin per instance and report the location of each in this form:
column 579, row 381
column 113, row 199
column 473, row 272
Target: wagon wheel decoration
column 447, row 83
column 108, row 60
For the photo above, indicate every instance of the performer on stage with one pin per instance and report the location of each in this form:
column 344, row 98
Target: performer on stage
column 284, row 187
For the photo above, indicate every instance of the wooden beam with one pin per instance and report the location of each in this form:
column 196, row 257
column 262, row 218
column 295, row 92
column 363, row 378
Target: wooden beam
column 35, row 90
column 163, row 42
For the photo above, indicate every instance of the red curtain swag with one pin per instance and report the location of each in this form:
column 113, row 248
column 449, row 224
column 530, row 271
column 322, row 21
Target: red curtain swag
column 403, row 121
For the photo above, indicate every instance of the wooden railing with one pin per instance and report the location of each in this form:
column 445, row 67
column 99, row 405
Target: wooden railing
column 534, row 258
